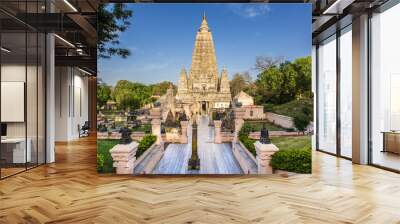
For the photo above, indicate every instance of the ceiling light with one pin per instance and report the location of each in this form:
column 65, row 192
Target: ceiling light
column 64, row 40
column 5, row 50
column 84, row 71
column 70, row 5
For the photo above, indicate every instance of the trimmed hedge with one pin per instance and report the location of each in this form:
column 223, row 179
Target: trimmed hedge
column 294, row 160
column 294, row 153
column 145, row 143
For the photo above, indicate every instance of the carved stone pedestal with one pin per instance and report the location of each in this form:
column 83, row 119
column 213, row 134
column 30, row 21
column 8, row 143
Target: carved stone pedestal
column 124, row 157
column 217, row 130
column 264, row 156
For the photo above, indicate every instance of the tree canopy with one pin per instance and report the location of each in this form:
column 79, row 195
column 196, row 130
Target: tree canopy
column 112, row 19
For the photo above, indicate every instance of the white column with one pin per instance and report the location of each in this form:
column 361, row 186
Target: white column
column 360, row 90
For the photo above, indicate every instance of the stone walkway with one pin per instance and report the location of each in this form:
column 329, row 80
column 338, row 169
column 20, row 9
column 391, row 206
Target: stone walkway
column 176, row 158
column 214, row 158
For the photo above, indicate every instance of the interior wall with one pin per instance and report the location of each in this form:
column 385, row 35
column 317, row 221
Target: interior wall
column 71, row 102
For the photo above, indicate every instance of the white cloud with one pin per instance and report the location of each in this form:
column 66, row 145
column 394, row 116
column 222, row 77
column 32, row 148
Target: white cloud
column 249, row 10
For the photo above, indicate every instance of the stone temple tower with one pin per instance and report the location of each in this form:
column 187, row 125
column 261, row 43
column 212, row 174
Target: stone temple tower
column 202, row 89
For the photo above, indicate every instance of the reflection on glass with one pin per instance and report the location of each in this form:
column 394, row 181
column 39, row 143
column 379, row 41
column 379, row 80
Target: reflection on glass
column 346, row 93
column 385, row 84
column 327, row 95
column 14, row 153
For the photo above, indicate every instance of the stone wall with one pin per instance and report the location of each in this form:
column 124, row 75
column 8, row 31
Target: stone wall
column 253, row 112
column 280, row 120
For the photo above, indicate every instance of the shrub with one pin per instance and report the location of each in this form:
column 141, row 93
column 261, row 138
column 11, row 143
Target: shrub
column 100, row 162
column 294, row 160
column 301, row 121
column 145, row 143
column 268, row 107
column 104, row 159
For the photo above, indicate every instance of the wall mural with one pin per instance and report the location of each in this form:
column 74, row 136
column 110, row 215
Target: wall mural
column 166, row 105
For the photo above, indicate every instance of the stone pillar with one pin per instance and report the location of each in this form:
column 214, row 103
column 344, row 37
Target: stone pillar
column 124, row 157
column 264, row 156
column 217, row 130
column 155, row 115
column 238, row 114
column 184, row 136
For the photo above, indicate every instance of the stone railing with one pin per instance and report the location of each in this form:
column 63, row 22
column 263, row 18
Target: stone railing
column 138, row 135
column 246, row 160
column 155, row 152
column 108, row 135
column 256, row 134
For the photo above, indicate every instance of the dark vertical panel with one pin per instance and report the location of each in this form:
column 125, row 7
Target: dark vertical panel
column 338, row 74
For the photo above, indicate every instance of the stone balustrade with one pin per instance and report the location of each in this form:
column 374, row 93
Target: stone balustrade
column 124, row 157
column 264, row 156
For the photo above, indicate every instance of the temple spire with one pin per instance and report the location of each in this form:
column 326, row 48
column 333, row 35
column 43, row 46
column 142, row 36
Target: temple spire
column 204, row 24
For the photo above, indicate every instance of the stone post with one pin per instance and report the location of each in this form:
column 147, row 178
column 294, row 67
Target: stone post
column 155, row 114
column 217, row 130
column 238, row 115
column 264, row 156
column 124, row 157
column 184, row 136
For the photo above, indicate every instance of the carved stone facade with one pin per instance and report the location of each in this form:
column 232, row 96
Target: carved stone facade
column 203, row 89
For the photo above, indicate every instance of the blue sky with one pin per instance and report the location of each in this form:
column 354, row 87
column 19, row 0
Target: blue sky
column 161, row 38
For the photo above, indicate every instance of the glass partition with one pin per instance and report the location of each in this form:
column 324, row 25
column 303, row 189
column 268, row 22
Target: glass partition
column 346, row 92
column 385, row 89
column 327, row 95
column 22, row 77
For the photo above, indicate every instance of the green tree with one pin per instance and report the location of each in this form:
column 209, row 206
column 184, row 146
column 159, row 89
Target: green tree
column 303, row 81
column 301, row 121
column 112, row 19
column 160, row 89
column 240, row 82
column 287, row 90
column 103, row 94
column 269, row 84
column 130, row 95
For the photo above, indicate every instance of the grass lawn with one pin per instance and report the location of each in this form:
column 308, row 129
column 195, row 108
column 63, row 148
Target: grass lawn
column 294, row 107
column 146, row 128
column 292, row 142
column 103, row 148
column 270, row 126
column 283, row 143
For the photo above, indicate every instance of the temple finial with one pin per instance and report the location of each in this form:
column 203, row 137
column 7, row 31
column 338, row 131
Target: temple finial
column 204, row 15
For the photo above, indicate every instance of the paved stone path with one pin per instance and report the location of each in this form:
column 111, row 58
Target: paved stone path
column 176, row 158
column 214, row 158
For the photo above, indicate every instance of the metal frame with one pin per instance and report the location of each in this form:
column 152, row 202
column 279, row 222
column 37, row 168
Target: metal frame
column 387, row 5
column 337, row 34
column 44, row 41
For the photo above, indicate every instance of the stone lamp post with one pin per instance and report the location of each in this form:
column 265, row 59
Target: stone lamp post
column 265, row 149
